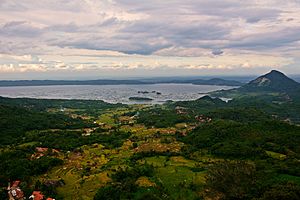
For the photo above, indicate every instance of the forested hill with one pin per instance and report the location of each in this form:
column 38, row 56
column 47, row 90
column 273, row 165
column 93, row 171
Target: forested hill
column 273, row 86
column 273, row 81
column 15, row 121
column 69, row 82
column 19, row 115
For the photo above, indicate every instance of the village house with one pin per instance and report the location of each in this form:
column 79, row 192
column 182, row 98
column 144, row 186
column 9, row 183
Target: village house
column 203, row 119
column 37, row 195
column 181, row 110
column 14, row 191
column 40, row 152
column 88, row 131
column 43, row 150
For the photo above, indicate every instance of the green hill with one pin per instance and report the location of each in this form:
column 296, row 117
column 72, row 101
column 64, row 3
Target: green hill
column 273, row 81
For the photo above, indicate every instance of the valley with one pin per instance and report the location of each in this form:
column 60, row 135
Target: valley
column 246, row 148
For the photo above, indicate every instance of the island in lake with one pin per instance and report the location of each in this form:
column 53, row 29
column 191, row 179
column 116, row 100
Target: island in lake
column 147, row 92
column 140, row 99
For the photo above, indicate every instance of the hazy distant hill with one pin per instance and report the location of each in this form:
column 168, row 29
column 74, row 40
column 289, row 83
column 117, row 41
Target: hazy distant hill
column 214, row 81
column 217, row 81
column 69, row 82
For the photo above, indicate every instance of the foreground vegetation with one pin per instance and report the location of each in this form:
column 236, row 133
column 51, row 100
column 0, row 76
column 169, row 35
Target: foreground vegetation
column 202, row 149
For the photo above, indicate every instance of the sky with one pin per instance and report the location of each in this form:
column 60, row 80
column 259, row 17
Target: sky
column 84, row 39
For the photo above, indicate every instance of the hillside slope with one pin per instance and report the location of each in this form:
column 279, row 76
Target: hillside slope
column 273, row 81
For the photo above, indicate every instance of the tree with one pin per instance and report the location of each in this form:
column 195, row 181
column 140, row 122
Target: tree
column 232, row 180
column 288, row 191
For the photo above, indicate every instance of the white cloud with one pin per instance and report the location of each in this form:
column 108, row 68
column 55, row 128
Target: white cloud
column 125, row 35
column 92, row 61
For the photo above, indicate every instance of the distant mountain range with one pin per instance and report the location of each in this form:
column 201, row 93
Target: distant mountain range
column 214, row 81
column 273, row 81
column 69, row 82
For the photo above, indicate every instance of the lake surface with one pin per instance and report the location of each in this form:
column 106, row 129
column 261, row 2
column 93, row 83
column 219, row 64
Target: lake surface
column 113, row 93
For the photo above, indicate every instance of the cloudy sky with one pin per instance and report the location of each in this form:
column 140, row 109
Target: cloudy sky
column 67, row 39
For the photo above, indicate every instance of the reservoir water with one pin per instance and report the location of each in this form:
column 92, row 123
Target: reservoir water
column 113, row 93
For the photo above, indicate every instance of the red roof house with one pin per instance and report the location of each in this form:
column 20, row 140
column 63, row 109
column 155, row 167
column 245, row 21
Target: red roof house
column 37, row 195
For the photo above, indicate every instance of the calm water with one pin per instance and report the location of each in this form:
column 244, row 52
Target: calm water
column 113, row 93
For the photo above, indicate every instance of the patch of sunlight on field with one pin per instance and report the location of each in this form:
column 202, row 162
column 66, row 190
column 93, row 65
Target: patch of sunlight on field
column 85, row 187
column 160, row 161
column 175, row 172
column 28, row 144
column 286, row 177
column 175, row 178
column 156, row 161
column 276, row 155
column 144, row 182
column 181, row 161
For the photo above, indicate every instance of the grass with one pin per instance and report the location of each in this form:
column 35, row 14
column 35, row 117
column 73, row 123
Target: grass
column 156, row 161
column 286, row 177
column 85, row 187
column 181, row 161
column 144, row 182
column 177, row 180
column 276, row 155
column 107, row 119
column 175, row 172
column 157, row 146
column 28, row 144
column 87, row 182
